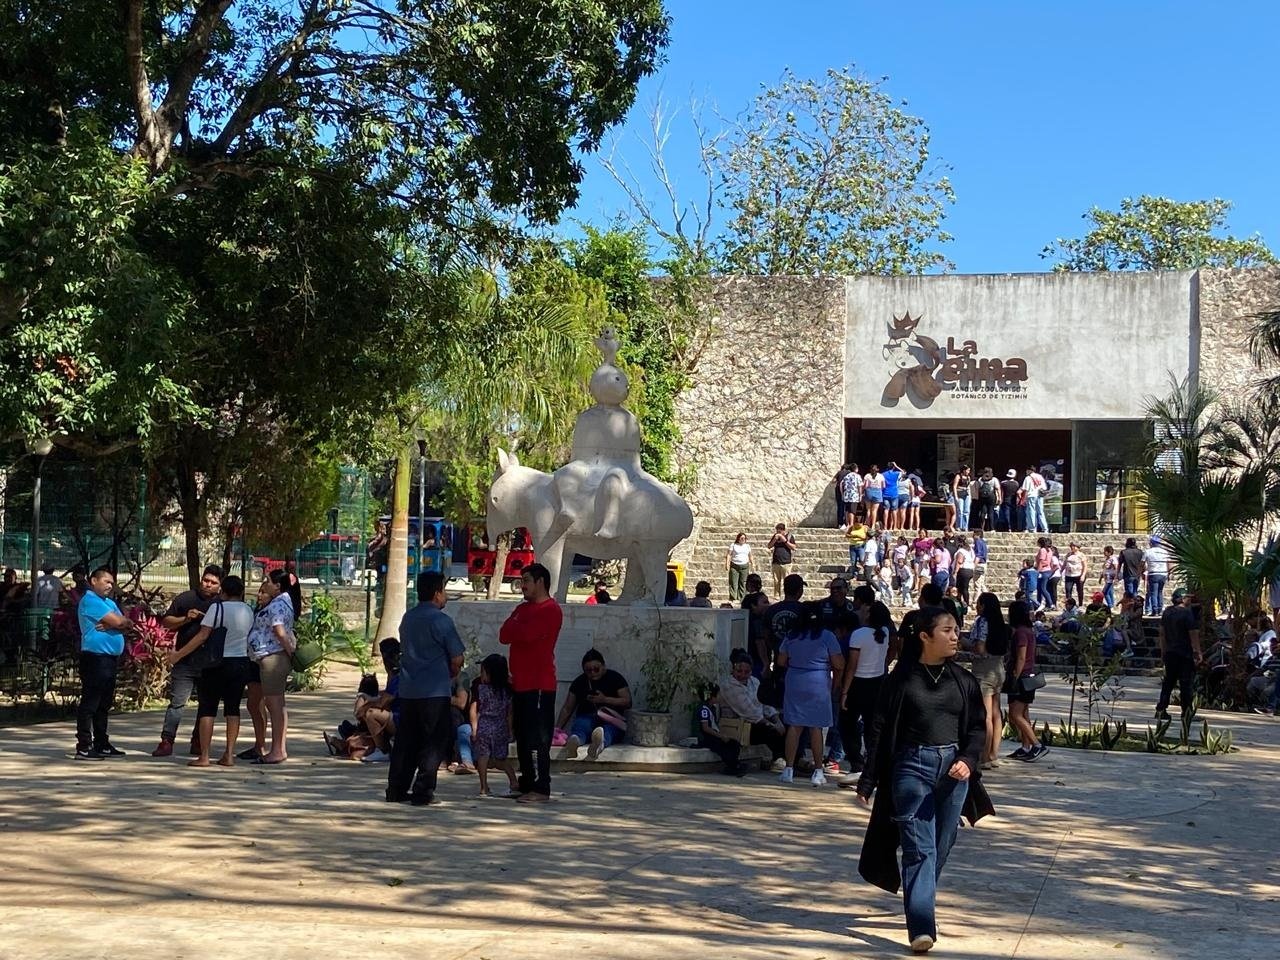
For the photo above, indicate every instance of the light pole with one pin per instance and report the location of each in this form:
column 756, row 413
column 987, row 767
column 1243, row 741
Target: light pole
column 422, row 498
column 39, row 448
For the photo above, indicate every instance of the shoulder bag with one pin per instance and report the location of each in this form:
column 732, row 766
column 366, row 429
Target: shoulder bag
column 1030, row 682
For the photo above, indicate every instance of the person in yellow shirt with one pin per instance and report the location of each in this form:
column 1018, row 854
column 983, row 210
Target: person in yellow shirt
column 856, row 533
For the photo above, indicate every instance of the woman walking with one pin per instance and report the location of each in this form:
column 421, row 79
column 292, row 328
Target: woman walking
column 962, row 493
column 271, row 645
column 1110, row 574
column 860, row 686
column 1020, row 683
column 810, row 655
column 737, row 561
column 989, row 642
column 928, row 737
column 230, row 619
column 966, row 562
column 1044, row 570
column 1075, row 568
column 1055, row 576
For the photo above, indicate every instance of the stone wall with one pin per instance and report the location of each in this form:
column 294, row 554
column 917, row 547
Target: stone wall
column 1228, row 299
column 763, row 423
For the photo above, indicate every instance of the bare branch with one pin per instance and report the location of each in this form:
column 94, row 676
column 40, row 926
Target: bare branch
column 148, row 139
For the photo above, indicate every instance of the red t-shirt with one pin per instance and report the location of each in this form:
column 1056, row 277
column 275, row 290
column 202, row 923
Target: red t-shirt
column 531, row 633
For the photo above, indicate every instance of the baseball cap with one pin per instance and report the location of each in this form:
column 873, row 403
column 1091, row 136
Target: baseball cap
column 1155, row 541
column 1180, row 594
column 1011, row 473
column 1098, row 596
column 793, row 581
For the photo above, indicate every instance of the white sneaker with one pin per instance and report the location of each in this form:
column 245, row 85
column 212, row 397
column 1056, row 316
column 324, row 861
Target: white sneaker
column 819, row 779
column 570, row 749
column 922, row 943
column 377, row 756
column 597, row 743
column 849, row 779
column 788, row 775
column 779, row 765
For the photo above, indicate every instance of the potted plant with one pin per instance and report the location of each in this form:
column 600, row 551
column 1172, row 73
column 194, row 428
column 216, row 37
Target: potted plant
column 672, row 666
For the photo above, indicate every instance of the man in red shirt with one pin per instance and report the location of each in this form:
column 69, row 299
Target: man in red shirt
column 531, row 632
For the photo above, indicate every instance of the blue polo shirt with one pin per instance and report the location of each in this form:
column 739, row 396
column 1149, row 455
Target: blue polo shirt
column 428, row 641
column 92, row 640
column 891, row 478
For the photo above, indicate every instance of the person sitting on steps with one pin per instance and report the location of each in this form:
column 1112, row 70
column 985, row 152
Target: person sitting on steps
column 593, row 695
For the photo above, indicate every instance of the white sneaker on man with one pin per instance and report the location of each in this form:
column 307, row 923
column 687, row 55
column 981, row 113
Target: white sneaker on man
column 597, row 743
column 376, row 756
column 850, row 779
column 570, row 749
column 921, row 944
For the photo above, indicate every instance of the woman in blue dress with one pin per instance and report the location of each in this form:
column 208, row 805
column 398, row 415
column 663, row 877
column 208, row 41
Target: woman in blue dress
column 811, row 656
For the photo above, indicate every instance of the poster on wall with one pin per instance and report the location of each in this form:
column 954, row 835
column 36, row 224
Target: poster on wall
column 1053, row 471
column 954, row 451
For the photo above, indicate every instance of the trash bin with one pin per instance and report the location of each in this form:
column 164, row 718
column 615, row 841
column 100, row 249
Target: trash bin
column 678, row 570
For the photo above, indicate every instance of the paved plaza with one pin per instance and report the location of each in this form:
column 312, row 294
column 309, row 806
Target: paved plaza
column 1092, row 855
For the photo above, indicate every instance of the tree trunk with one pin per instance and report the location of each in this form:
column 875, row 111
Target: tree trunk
column 500, row 551
column 395, row 590
column 189, row 502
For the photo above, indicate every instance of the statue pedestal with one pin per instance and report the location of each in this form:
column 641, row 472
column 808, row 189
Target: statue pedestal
column 622, row 634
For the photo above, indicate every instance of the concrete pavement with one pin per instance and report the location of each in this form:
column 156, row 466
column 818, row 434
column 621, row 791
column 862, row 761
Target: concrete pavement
column 1115, row 855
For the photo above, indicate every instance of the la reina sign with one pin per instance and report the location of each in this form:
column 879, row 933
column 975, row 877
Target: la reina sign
column 923, row 370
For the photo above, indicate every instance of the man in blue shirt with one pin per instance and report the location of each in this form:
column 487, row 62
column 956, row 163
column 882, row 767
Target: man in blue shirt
column 102, row 632
column 895, row 505
column 430, row 657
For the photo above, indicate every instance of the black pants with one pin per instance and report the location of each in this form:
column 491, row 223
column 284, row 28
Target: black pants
column 963, row 579
column 1075, row 585
column 984, row 515
column 726, row 750
column 771, row 737
column 533, row 714
column 855, row 720
column 1179, row 669
column 424, row 740
column 222, row 683
column 97, row 691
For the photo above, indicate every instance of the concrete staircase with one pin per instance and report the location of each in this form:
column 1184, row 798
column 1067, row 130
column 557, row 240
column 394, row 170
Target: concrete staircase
column 822, row 553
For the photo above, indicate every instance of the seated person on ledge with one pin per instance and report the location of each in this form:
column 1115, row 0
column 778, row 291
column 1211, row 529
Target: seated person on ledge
column 709, row 736
column 701, row 595
column 379, row 714
column 740, row 697
column 594, row 690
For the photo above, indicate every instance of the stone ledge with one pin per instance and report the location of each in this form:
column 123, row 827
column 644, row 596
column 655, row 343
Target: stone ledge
column 626, row 757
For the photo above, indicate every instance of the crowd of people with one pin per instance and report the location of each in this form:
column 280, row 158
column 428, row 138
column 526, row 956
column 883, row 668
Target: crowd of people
column 892, row 498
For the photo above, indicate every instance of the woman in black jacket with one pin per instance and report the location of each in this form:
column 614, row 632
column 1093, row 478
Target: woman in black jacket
column 928, row 738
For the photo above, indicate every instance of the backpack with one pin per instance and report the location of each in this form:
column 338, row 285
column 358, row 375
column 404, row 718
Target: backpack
column 987, row 489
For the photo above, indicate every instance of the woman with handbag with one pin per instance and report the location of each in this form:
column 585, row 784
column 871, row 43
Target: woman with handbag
column 1023, row 680
column 271, row 646
column 928, row 736
column 224, row 632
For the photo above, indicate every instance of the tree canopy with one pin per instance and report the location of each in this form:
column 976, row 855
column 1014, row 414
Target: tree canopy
column 1156, row 233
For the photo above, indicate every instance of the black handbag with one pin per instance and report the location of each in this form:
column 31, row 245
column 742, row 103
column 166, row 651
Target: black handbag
column 210, row 653
column 1030, row 682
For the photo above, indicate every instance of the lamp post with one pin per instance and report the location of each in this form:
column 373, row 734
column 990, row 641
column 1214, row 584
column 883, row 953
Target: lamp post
column 422, row 498
column 39, row 448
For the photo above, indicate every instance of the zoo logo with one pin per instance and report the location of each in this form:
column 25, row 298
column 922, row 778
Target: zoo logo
column 924, row 370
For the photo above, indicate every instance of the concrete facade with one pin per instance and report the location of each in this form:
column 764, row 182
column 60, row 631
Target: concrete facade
column 793, row 357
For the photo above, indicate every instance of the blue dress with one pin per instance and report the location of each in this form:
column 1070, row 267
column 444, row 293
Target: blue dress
column 806, row 698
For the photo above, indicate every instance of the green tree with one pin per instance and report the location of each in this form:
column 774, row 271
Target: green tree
column 1156, row 233
column 830, row 176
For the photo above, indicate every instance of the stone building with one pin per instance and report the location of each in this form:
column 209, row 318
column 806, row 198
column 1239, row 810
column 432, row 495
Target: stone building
column 1055, row 369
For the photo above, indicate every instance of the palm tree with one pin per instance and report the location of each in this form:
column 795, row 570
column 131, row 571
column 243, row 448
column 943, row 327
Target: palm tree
column 1264, row 347
column 1247, row 440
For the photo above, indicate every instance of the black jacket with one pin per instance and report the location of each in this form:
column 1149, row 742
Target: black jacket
column 878, row 862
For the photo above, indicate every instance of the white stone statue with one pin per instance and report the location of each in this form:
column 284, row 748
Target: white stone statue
column 600, row 504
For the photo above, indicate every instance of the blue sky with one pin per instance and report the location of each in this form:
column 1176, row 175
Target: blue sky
column 1041, row 110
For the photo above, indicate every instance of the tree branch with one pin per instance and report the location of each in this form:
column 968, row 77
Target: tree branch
column 148, row 140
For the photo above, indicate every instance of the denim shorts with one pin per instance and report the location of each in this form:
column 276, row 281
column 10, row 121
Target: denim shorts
column 904, row 501
column 875, row 496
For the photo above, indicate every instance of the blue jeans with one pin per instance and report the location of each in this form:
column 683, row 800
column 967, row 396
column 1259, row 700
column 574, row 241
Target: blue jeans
column 927, row 804
column 962, row 512
column 1044, row 595
column 1155, row 593
column 1131, row 585
column 835, row 742
column 942, row 580
column 855, row 558
column 1035, row 515
column 1004, row 516
column 582, row 727
column 1032, row 588
column 1109, row 594
column 463, row 741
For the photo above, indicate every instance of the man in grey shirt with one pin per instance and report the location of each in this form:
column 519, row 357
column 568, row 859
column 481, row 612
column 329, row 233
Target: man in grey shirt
column 430, row 657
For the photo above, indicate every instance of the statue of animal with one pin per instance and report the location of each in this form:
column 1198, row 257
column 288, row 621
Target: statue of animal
column 564, row 513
